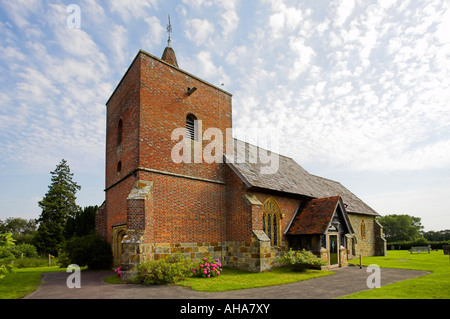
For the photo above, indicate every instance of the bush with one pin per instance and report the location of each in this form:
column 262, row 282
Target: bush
column 26, row 249
column 406, row 245
column 302, row 260
column 6, row 256
column 90, row 251
column 27, row 262
column 164, row 271
column 208, row 268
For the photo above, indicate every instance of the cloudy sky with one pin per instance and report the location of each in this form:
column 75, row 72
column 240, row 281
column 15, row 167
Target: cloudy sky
column 359, row 89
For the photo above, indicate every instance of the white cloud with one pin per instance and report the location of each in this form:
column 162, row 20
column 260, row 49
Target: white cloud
column 303, row 58
column 20, row 11
column 132, row 9
column 199, row 31
column 229, row 17
column 343, row 11
column 155, row 33
column 284, row 19
column 119, row 44
column 443, row 33
column 197, row 3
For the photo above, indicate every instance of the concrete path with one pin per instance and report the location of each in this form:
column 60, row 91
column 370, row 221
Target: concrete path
column 345, row 281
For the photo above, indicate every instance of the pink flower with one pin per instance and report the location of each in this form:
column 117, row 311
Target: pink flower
column 205, row 259
column 209, row 276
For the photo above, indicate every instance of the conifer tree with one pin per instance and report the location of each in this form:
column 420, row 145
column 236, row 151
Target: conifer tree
column 58, row 204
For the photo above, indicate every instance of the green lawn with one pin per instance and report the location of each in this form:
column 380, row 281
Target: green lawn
column 432, row 286
column 22, row 282
column 233, row 279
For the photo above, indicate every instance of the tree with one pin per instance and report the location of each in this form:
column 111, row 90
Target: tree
column 6, row 241
column 83, row 223
column 441, row 235
column 21, row 229
column 401, row 227
column 58, row 204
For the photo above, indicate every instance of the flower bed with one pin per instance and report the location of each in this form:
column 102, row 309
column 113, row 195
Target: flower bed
column 208, row 268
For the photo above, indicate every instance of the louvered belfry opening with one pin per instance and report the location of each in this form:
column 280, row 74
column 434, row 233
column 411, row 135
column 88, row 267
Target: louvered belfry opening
column 190, row 127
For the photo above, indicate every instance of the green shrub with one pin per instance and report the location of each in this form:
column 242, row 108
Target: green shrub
column 6, row 256
column 164, row 271
column 90, row 251
column 27, row 262
column 302, row 260
column 24, row 250
column 406, row 245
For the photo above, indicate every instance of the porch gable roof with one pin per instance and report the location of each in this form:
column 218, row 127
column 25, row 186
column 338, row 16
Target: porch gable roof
column 316, row 216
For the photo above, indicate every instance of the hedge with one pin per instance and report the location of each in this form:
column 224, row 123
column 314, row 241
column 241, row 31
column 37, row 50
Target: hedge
column 406, row 245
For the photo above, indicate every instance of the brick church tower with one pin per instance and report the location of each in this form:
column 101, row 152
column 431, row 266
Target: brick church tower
column 153, row 205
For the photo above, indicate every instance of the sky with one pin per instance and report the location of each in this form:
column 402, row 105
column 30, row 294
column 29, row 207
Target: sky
column 358, row 90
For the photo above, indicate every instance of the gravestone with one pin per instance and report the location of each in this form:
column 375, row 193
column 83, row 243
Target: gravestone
column 446, row 249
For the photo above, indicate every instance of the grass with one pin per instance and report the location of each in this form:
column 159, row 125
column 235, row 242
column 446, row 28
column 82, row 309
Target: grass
column 234, row 279
column 22, row 282
column 433, row 286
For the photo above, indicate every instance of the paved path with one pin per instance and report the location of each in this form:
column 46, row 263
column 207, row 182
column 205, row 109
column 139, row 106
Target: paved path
column 345, row 281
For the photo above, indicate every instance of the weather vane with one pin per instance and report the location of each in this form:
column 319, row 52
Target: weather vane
column 169, row 31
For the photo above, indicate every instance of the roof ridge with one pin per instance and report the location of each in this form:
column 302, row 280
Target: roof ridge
column 259, row 147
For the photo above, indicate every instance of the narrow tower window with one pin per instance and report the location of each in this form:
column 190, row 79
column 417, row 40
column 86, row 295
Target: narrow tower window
column 119, row 132
column 191, row 127
column 363, row 229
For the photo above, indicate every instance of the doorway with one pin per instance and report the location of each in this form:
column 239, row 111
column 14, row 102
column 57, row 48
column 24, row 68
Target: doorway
column 118, row 233
column 333, row 240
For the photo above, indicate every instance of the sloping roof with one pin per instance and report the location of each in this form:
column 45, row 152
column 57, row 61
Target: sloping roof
column 314, row 217
column 290, row 178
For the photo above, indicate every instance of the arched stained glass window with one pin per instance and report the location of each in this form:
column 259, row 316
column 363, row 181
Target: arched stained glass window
column 272, row 221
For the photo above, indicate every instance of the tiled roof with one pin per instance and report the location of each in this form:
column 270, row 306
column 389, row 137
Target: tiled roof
column 291, row 178
column 314, row 217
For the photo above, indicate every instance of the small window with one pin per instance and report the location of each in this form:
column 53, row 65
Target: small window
column 119, row 132
column 119, row 167
column 363, row 229
column 191, row 127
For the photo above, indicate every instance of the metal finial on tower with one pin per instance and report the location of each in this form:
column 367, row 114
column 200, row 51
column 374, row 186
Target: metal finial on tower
column 169, row 31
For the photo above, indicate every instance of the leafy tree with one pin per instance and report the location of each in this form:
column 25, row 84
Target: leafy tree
column 22, row 230
column 89, row 250
column 441, row 235
column 401, row 227
column 58, row 204
column 83, row 223
column 6, row 241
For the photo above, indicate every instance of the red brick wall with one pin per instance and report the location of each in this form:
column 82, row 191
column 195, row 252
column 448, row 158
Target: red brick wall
column 123, row 105
column 185, row 210
column 164, row 107
column 239, row 216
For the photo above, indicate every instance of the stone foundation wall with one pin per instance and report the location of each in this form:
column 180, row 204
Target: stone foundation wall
column 255, row 256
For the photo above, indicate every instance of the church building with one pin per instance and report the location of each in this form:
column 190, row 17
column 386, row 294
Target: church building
column 226, row 209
